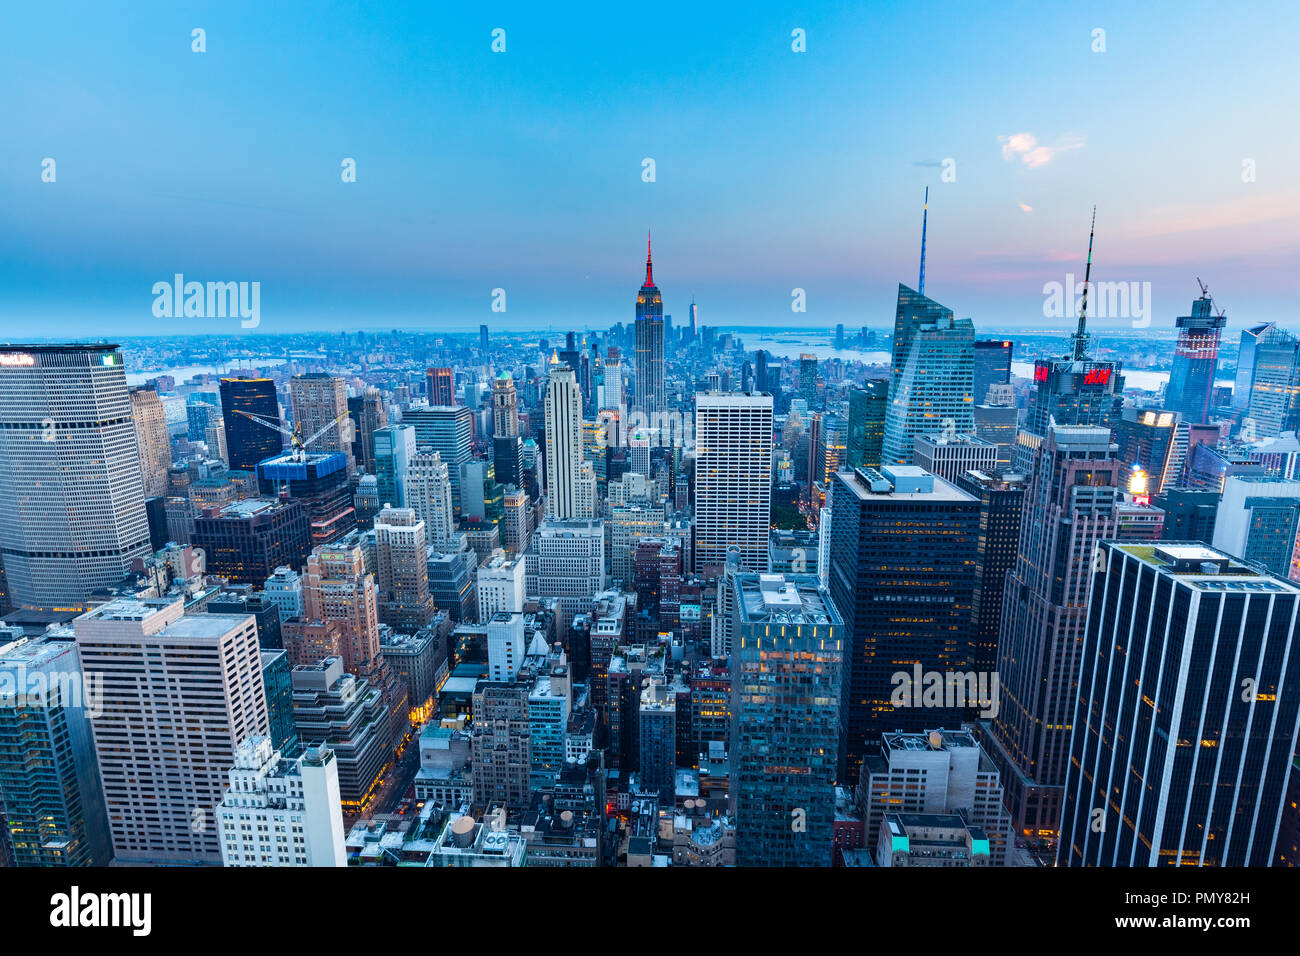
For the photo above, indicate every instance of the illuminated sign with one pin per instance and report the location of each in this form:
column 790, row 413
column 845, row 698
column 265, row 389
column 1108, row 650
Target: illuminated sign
column 16, row 360
column 1166, row 419
column 111, row 358
column 1096, row 376
column 1041, row 372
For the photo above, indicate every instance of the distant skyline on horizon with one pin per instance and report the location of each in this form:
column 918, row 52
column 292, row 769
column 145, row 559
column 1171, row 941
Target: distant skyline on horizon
column 522, row 170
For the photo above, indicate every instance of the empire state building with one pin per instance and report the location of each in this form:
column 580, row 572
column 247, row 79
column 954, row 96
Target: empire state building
column 649, row 381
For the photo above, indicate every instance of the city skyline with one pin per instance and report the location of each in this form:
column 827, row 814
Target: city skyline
column 810, row 175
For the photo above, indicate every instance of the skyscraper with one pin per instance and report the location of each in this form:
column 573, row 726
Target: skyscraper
column 1185, row 718
column 180, row 693
column 368, row 415
column 564, row 456
column 252, row 414
column 280, row 811
column 902, row 574
column 72, row 515
column 866, row 425
column 1196, row 359
column 1001, row 499
column 151, row 439
column 505, row 406
column 1070, row 505
column 1071, row 390
column 320, row 406
column 1246, row 364
column 402, row 570
column 931, row 375
column 448, row 430
column 992, row 366
column 51, row 800
column 649, row 332
column 441, row 386
column 394, row 448
column 1258, row 520
column 787, row 661
column 733, row 477
column 337, row 587
column 428, row 494
column 1274, row 385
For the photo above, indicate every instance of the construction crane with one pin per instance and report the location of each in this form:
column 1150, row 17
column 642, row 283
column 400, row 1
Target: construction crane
column 297, row 443
column 1205, row 294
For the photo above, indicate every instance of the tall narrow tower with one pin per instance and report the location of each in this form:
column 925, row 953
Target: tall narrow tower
column 649, row 341
column 1196, row 358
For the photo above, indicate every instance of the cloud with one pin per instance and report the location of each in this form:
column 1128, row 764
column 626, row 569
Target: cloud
column 1025, row 147
column 1025, row 207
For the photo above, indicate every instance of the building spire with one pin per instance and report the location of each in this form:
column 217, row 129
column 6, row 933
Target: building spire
column 925, row 215
column 1081, row 335
column 649, row 268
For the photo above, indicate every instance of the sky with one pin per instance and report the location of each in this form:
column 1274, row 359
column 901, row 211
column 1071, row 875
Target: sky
column 524, row 170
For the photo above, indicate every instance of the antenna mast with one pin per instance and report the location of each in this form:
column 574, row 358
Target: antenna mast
column 925, row 215
column 1081, row 336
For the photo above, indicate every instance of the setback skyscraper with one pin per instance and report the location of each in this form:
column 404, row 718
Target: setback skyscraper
column 649, row 332
column 1071, row 503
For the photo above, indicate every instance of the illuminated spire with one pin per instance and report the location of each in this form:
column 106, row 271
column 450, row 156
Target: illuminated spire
column 925, row 215
column 1081, row 336
column 649, row 270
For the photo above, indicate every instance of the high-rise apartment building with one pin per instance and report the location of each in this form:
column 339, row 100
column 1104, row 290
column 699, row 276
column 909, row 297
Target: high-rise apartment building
column 1185, row 715
column 733, row 477
column 180, row 693
column 72, row 513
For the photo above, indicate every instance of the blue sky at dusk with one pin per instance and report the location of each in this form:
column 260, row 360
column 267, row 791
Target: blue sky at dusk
column 523, row 170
